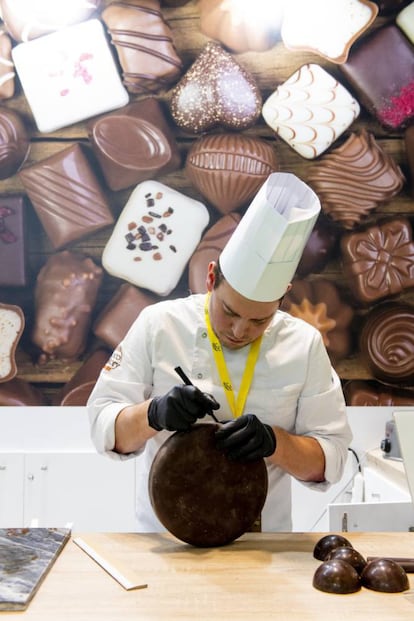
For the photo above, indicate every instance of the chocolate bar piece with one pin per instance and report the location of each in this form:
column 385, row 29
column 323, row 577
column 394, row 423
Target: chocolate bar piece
column 209, row 249
column 115, row 319
column 67, row 196
column 133, row 144
column 77, row 390
column 144, row 44
column 13, row 241
column 380, row 69
column 18, row 392
column 372, row 393
column 65, row 295
column 354, row 179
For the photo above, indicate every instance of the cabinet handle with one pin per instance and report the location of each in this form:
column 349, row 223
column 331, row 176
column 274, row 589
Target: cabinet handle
column 44, row 468
column 3, row 467
column 30, row 477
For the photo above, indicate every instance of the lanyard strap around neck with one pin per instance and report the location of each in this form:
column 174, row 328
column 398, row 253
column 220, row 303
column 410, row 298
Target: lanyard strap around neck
column 236, row 406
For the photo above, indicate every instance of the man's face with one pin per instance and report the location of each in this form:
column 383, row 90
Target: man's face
column 236, row 320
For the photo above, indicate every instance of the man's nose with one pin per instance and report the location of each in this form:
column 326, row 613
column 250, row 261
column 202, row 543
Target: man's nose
column 240, row 327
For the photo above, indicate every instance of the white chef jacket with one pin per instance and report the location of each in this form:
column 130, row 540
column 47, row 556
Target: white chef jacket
column 294, row 387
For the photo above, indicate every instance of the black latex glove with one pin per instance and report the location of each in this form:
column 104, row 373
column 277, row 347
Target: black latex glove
column 246, row 438
column 179, row 408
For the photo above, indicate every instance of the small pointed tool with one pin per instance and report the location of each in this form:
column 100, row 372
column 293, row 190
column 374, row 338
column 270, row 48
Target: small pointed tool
column 188, row 382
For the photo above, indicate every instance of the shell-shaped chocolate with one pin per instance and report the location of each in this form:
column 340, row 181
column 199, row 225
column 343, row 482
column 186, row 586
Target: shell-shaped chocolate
column 318, row 303
column 228, row 169
column 215, row 91
column 352, row 180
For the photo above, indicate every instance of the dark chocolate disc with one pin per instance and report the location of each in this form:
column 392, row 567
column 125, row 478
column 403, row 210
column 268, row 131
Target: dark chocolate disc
column 199, row 494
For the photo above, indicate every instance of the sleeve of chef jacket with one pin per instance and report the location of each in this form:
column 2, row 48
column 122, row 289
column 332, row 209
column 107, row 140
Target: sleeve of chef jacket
column 126, row 379
column 322, row 413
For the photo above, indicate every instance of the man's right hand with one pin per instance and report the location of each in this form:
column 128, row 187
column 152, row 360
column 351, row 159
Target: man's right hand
column 179, row 408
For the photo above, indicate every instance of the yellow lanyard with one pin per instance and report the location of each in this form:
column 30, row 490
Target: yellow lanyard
column 236, row 406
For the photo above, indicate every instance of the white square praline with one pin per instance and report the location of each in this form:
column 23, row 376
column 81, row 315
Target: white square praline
column 69, row 76
column 154, row 237
column 405, row 21
column 310, row 110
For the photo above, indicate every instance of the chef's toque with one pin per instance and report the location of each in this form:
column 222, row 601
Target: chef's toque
column 262, row 255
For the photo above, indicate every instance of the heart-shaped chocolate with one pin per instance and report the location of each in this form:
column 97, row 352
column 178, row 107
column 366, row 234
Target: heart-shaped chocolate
column 215, row 91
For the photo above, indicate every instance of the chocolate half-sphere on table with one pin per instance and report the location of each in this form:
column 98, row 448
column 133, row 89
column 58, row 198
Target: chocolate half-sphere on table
column 133, row 144
column 387, row 343
column 67, row 196
column 13, row 240
column 199, row 494
column 228, row 169
column 14, row 142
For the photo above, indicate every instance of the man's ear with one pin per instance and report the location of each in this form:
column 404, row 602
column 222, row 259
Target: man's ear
column 211, row 277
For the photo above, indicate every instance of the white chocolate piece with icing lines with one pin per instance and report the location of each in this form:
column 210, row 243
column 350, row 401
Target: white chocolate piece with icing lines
column 150, row 245
column 405, row 21
column 310, row 110
column 328, row 28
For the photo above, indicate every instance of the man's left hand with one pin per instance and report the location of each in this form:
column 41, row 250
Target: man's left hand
column 246, row 438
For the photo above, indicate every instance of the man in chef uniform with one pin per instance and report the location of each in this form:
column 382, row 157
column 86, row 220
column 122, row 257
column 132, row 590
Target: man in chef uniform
column 266, row 374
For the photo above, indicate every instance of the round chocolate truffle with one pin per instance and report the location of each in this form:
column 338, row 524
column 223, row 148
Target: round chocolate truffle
column 387, row 343
column 14, row 142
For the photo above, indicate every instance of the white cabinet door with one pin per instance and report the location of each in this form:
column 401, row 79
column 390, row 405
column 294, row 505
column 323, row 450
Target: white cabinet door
column 86, row 490
column 11, row 490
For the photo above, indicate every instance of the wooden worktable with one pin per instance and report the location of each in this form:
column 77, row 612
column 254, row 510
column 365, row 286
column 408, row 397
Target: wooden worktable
column 259, row 577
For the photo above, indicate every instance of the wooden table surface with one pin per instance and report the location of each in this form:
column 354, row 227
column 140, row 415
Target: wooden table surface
column 261, row 576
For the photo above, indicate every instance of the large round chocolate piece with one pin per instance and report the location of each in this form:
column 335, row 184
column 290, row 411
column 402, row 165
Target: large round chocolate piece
column 327, row 543
column 336, row 576
column 349, row 555
column 383, row 574
column 201, row 496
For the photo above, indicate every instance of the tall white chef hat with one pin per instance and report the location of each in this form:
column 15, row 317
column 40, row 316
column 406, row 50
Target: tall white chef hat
column 262, row 255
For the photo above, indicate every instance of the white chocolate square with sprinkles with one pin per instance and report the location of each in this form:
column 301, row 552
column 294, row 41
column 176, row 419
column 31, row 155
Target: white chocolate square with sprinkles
column 310, row 110
column 154, row 237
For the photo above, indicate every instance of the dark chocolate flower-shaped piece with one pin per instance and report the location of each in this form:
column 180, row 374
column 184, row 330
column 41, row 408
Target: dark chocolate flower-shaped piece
column 379, row 261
